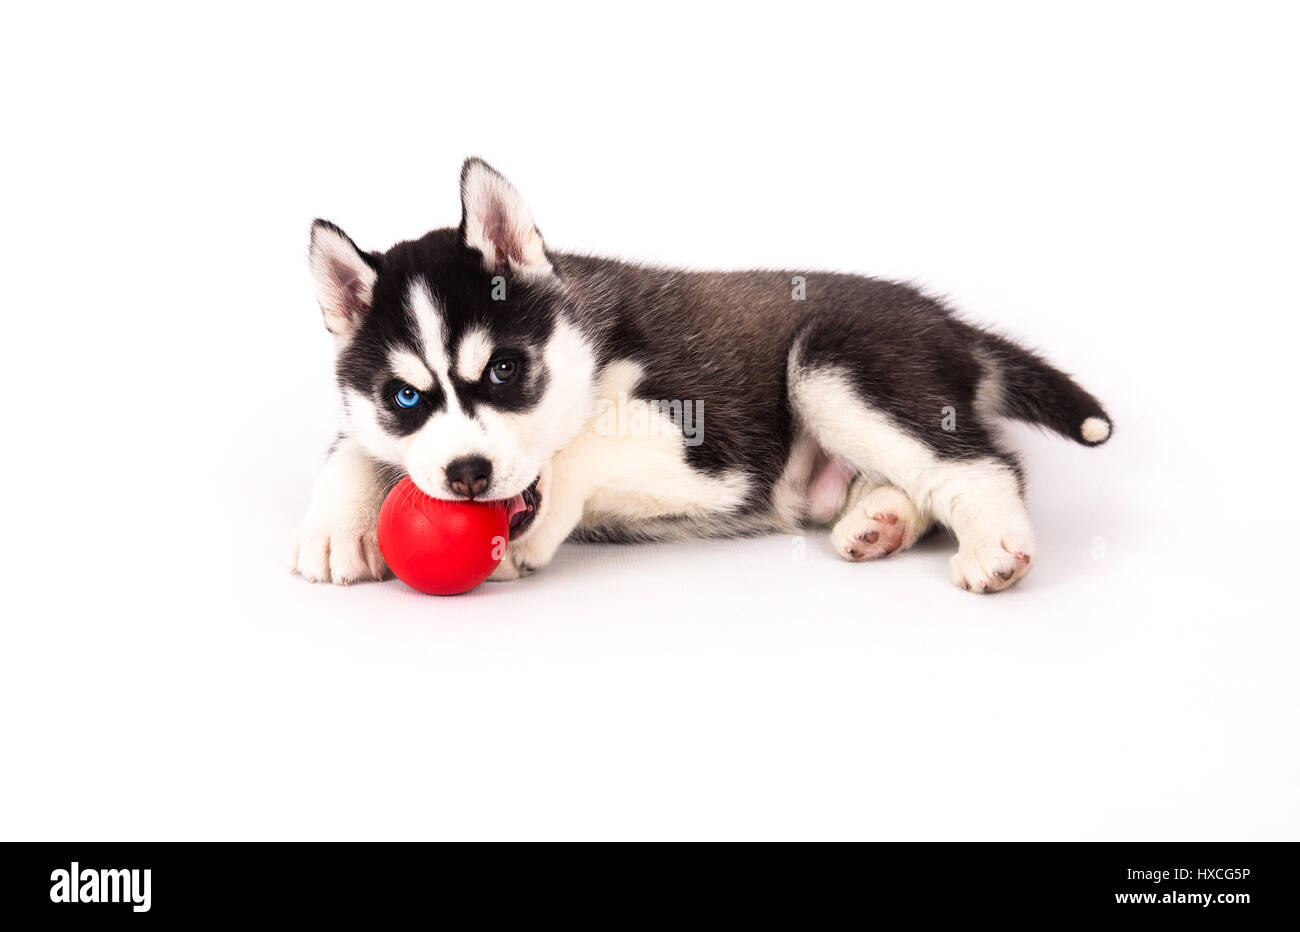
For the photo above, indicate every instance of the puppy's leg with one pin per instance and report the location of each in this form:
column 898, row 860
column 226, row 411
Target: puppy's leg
column 337, row 541
column 563, row 493
column 877, row 520
column 977, row 494
column 982, row 504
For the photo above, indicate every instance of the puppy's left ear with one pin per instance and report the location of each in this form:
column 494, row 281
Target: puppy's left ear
column 495, row 221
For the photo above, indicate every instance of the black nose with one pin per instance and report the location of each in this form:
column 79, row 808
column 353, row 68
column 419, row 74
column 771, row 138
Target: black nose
column 469, row 475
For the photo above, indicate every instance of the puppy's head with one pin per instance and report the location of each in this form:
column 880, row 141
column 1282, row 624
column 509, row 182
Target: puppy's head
column 455, row 357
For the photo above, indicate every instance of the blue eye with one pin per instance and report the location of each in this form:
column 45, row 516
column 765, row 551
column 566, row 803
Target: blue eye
column 407, row 397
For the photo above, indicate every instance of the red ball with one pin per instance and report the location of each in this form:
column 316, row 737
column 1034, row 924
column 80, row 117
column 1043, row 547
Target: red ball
column 440, row 547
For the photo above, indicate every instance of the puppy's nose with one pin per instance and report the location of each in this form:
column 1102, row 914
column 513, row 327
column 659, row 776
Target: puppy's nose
column 469, row 475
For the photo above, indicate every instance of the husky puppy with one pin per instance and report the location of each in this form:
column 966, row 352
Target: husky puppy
column 617, row 401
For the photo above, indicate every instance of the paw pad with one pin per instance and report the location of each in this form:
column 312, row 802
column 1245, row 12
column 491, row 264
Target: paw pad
column 985, row 566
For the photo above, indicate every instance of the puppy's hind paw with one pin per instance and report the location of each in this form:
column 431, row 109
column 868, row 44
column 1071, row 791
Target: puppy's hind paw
column 871, row 538
column 883, row 522
column 991, row 566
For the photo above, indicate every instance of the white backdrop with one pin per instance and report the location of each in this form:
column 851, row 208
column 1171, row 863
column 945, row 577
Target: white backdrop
column 1114, row 183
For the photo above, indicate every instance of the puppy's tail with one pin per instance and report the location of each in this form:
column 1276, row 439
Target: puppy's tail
column 1035, row 391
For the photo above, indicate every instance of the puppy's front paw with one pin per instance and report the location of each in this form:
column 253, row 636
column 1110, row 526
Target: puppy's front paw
column 993, row 564
column 505, row 571
column 341, row 556
column 511, row 567
column 523, row 558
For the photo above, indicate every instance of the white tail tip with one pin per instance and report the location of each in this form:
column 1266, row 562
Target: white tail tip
column 1095, row 429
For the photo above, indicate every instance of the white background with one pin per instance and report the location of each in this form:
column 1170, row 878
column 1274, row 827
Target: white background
column 1116, row 183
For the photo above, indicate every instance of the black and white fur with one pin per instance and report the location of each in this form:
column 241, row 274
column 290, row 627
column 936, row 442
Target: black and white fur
column 866, row 406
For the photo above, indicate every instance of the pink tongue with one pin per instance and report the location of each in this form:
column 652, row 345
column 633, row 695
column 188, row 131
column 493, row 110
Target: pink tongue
column 514, row 506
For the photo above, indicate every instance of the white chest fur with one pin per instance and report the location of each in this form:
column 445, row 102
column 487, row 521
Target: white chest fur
column 630, row 458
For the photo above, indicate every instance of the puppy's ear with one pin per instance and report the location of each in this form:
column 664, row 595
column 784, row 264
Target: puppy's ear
column 344, row 276
column 495, row 220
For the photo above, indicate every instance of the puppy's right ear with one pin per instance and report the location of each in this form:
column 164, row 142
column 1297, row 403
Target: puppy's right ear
column 344, row 276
